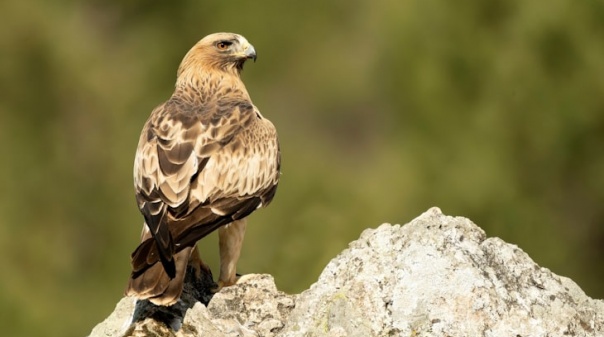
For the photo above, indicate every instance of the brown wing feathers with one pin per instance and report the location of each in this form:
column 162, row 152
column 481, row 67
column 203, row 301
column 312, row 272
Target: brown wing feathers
column 175, row 221
column 160, row 247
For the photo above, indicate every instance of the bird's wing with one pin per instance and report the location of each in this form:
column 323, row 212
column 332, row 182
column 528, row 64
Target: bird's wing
column 163, row 167
column 187, row 174
column 240, row 174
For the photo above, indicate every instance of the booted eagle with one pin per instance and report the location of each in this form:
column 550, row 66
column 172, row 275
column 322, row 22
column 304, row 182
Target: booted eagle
column 205, row 160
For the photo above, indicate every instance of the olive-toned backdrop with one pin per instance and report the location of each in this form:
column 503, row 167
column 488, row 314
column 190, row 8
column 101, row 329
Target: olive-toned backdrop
column 492, row 110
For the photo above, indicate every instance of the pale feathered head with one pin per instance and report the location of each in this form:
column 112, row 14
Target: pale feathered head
column 218, row 52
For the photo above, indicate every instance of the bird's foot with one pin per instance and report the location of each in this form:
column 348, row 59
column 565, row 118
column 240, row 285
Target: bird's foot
column 225, row 283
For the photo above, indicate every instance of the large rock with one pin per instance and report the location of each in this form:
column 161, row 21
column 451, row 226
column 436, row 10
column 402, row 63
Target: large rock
column 436, row 276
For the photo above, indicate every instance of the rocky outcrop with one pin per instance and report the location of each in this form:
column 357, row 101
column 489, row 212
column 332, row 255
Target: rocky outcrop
column 253, row 307
column 435, row 276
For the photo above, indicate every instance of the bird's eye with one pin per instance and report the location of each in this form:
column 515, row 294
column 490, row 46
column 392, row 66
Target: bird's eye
column 223, row 45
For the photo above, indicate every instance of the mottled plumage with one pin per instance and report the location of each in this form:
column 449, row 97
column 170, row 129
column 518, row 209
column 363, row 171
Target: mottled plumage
column 206, row 158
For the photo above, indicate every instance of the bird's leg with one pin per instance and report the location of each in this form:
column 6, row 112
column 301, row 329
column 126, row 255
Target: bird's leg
column 198, row 265
column 230, row 239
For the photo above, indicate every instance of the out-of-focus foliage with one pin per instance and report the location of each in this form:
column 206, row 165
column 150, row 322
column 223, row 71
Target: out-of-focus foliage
column 492, row 110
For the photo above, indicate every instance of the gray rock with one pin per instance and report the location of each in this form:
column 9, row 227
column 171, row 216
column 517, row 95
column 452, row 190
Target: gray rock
column 119, row 320
column 436, row 276
column 441, row 276
column 254, row 307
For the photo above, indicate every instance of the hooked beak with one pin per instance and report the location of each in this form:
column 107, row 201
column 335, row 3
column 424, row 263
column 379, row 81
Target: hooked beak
column 250, row 52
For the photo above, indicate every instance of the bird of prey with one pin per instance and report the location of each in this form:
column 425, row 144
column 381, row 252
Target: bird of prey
column 205, row 160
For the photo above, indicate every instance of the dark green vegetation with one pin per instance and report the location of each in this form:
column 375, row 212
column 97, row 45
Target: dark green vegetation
column 492, row 110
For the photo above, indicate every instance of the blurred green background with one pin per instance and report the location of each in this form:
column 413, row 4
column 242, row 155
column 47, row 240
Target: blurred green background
column 493, row 110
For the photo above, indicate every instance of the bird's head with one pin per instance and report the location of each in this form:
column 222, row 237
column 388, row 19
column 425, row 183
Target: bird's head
column 219, row 51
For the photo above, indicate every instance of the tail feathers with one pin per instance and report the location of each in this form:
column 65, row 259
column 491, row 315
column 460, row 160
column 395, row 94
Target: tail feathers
column 148, row 254
column 151, row 281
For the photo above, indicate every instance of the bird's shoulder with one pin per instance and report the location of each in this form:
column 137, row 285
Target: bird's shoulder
column 182, row 113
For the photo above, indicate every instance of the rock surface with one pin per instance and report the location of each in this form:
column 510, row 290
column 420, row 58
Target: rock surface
column 436, row 276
